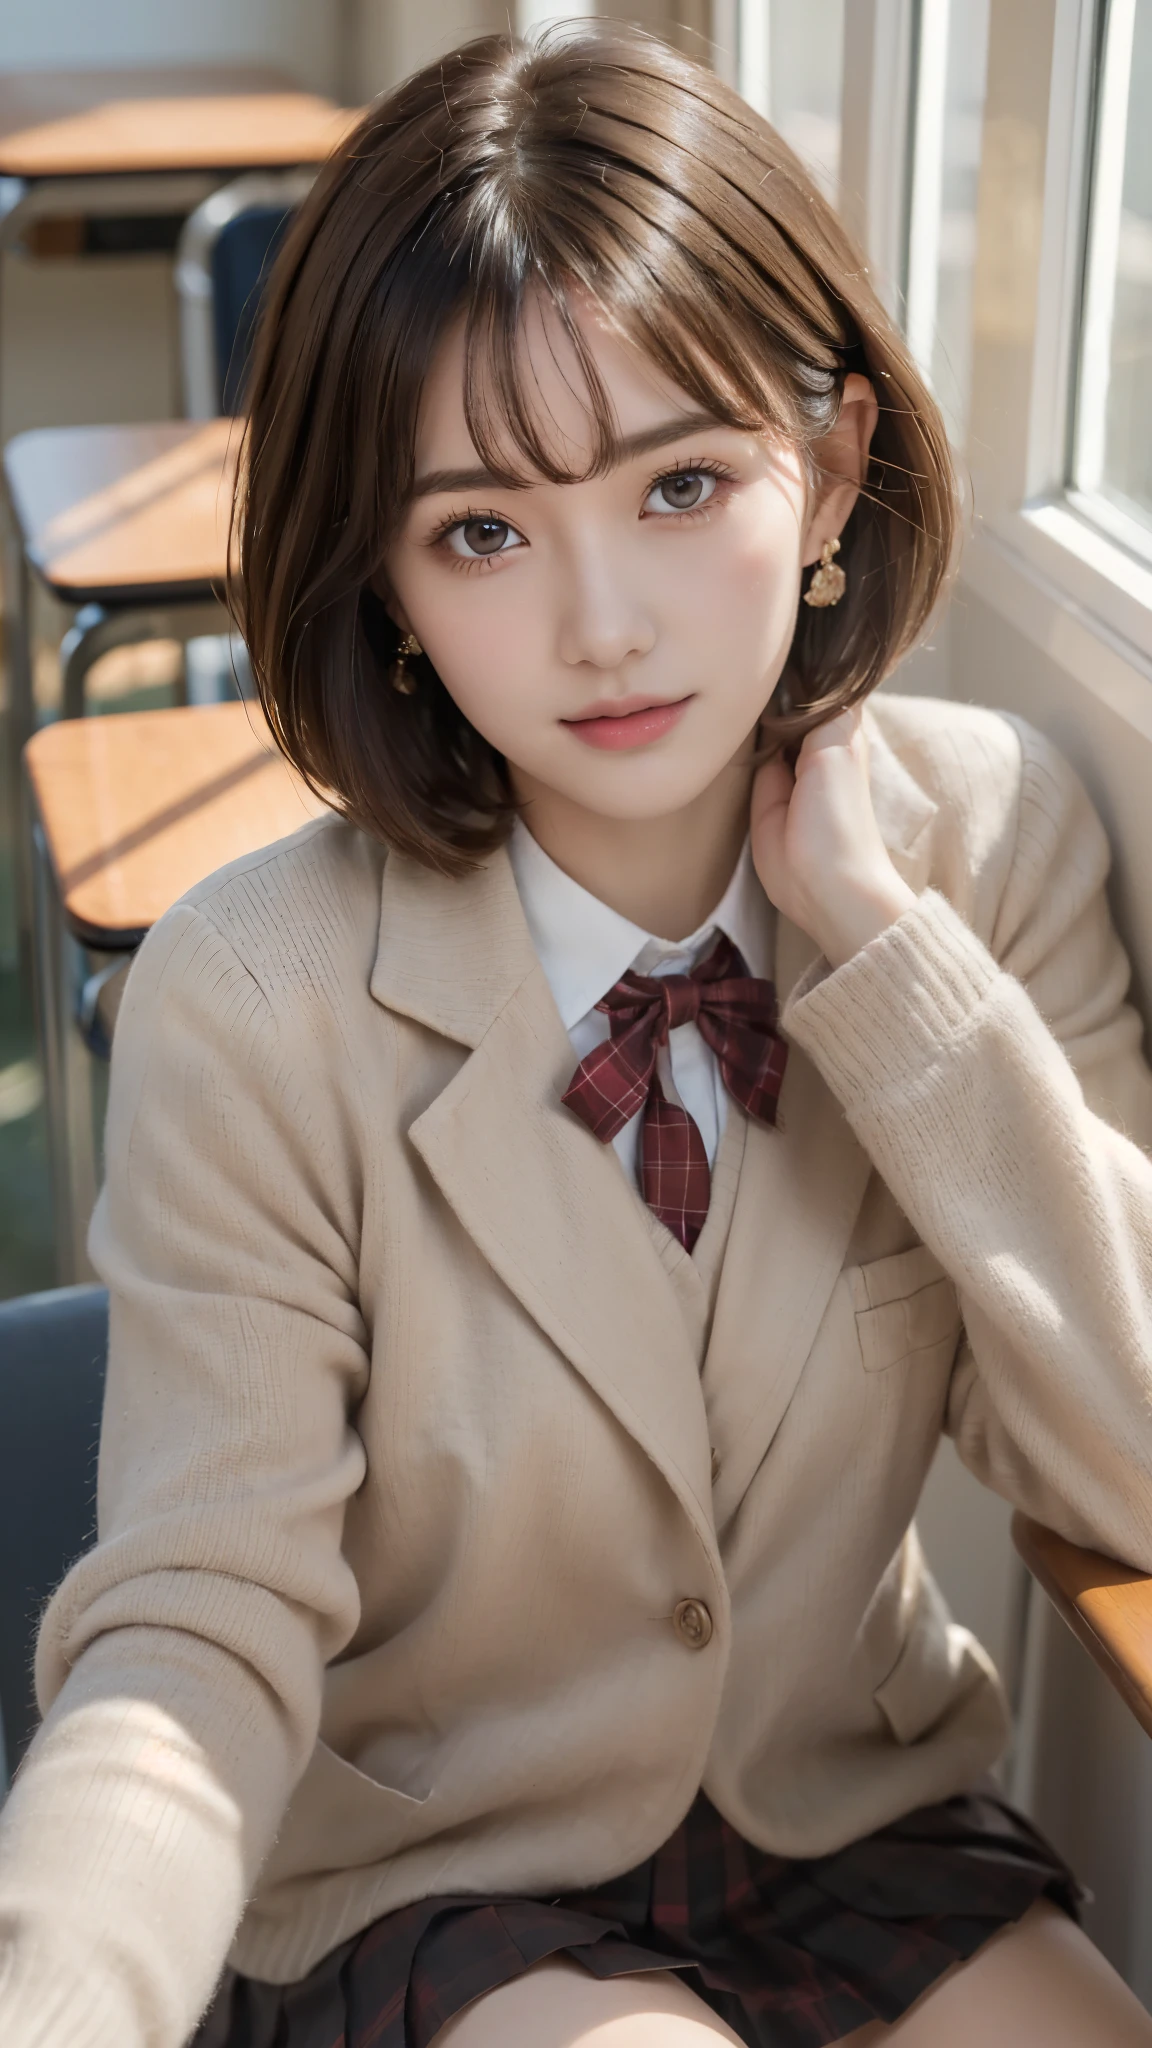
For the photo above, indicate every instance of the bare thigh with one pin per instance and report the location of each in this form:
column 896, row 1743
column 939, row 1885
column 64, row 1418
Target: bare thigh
column 1039, row 1984
column 558, row 2005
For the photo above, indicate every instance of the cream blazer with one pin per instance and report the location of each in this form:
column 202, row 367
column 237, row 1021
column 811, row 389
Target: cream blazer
column 407, row 1463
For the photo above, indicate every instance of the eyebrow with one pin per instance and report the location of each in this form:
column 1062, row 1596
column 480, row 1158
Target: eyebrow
column 632, row 444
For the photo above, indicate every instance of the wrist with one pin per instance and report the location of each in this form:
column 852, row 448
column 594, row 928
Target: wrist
column 861, row 914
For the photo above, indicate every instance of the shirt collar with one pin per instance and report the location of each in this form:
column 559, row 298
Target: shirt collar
column 584, row 947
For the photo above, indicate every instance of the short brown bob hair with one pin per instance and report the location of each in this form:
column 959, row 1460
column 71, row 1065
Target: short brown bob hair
column 598, row 161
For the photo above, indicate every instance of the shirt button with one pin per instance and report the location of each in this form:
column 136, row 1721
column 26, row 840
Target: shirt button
column 715, row 1466
column 692, row 1623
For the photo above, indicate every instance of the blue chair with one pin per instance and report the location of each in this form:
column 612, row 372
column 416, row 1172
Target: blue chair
column 226, row 249
column 225, row 252
column 53, row 1349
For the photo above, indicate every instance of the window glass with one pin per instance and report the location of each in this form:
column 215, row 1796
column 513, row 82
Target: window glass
column 1113, row 442
column 952, row 61
column 791, row 68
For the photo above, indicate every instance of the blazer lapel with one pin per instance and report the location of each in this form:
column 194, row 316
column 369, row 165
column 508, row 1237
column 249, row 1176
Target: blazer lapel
column 800, row 1191
column 546, row 1204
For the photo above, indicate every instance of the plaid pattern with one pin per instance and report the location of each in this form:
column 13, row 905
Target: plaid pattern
column 735, row 1015
column 792, row 1954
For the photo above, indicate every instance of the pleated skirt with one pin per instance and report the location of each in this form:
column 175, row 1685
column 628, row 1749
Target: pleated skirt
column 791, row 1952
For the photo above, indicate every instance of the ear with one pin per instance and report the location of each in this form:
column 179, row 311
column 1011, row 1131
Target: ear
column 382, row 590
column 841, row 461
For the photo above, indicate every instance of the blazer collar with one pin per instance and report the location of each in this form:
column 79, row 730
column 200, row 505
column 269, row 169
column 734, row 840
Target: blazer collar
column 451, row 953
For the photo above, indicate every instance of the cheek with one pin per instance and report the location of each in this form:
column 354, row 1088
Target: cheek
column 758, row 579
column 738, row 586
column 734, row 618
column 478, row 638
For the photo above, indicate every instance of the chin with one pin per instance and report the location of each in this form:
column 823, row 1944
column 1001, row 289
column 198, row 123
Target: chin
column 641, row 798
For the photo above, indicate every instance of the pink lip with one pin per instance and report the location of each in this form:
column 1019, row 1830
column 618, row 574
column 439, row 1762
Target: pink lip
column 630, row 722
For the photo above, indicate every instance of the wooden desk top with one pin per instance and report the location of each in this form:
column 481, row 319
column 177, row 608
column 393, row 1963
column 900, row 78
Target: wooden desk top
column 1106, row 1604
column 123, row 514
column 139, row 806
column 69, row 124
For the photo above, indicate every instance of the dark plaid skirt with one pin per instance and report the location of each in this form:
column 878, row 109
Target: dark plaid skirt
column 791, row 1953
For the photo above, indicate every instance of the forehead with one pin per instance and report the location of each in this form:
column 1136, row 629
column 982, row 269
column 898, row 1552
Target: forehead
column 552, row 383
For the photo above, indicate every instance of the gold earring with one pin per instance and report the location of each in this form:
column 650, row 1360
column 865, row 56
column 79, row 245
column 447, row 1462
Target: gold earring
column 828, row 579
column 399, row 675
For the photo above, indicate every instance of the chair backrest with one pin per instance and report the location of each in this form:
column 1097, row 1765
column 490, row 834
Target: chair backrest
column 53, row 1349
column 225, row 252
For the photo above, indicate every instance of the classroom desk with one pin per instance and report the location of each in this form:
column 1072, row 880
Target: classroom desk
column 1108, row 1607
column 129, row 527
column 125, row 516
column 129, row 812
column 122, row 143
column 149, row 141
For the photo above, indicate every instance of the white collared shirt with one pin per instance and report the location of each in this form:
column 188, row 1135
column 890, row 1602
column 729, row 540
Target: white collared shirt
column 584, row 948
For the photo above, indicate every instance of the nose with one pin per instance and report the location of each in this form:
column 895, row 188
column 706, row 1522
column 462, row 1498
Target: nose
column 603, row 618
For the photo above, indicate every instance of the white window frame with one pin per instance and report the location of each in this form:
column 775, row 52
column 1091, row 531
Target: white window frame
column 1060, row 563
column 926, row 198
column 874, row 117
column 877, row 117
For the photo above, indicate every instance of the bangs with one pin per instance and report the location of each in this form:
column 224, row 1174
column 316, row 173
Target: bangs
column 626, row 245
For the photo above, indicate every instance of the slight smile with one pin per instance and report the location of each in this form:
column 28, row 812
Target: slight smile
column 630, row 722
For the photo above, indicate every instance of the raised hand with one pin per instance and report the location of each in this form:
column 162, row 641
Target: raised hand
column 816, row 844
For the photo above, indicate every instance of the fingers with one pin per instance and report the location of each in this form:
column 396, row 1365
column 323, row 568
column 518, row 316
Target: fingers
column 842, row 741
column 837, row 732
column 772, row 787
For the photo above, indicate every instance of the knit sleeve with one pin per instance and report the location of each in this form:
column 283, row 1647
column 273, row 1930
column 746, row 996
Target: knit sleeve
column 1002, row 1093
column 181, row 1661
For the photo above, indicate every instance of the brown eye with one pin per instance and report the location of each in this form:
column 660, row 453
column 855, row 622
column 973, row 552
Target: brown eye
column 475, row 539
column 681, row 492
column 485, row 536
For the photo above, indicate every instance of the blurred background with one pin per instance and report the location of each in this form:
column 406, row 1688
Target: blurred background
column 993, row 158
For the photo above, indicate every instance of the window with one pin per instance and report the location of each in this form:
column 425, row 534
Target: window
column 950, row 66
column 1112, row 443
column 884, row 103
column 790, row 67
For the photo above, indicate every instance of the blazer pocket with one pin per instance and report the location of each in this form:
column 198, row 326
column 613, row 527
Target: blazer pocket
column 359, row 1820
column 923, row 1683
column 906, row 1310
column 333, row 1770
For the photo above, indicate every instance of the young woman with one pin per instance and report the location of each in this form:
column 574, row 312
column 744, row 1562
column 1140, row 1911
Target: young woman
column 555, row 1204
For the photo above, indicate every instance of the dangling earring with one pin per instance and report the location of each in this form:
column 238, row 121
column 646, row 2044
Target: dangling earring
column 399, row 676
column 828, row 580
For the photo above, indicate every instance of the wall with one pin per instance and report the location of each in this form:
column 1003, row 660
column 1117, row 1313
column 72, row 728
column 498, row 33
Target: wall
column 298, row 36
column 385, row 40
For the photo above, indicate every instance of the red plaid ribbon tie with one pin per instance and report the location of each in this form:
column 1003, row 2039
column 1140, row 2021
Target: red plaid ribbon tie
column 735, row 1015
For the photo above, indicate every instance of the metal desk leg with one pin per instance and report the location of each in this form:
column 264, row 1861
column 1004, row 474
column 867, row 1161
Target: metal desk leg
column 67, row 1073
column 96, row 630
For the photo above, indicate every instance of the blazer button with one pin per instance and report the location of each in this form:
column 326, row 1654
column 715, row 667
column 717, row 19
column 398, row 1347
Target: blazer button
column 692, row 1623
column 715, row 1466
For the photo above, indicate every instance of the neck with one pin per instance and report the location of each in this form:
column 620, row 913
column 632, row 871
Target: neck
column 664, row 874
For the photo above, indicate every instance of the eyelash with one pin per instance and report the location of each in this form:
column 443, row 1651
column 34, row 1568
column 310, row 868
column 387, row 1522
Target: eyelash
column 707, row 466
